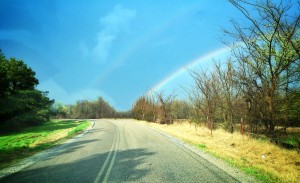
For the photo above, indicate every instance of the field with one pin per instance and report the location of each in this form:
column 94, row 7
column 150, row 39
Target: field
column 258, row 157
column 16, row 146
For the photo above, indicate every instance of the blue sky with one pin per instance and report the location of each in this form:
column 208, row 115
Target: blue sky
column 114, row 49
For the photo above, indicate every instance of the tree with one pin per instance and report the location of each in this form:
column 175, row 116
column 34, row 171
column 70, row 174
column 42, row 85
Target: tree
column 20, row 76
column 229, row 92
column 4, row 83
column 165, row 110
column 103, row 109
column 268, row 48
column 85, row 109
column 145, row 108
column 181, row 109
column 154, row 107
column 58, row 110
column 21, row 105
column 206, row 97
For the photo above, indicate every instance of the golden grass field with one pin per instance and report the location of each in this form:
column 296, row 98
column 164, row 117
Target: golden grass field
column 261, row 158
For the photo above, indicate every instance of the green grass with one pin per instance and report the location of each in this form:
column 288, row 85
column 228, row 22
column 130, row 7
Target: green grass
column 78, row 128
column 18, row 145
column 257, row 173
column 202, row 146
column 293, row 141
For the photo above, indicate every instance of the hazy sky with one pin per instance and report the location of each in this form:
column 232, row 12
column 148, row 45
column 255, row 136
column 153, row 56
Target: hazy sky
column 115, row 49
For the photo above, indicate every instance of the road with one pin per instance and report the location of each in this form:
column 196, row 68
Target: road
column 122, row 151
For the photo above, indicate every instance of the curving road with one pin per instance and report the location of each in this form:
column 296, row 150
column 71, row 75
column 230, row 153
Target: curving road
column 122, row 151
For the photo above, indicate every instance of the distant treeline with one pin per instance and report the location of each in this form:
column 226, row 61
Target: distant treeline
column 21, row 104
column 85, row 109
column 161, row 108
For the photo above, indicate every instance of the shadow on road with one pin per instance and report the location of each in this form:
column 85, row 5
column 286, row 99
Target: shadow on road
column 128, row 166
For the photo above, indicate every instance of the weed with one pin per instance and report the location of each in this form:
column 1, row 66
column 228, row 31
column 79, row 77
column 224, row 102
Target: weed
column 202, row 146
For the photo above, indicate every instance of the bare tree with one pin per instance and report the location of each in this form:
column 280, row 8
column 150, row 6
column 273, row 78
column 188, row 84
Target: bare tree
column 145, row 108
column 165, row 104
column 139, row 108
column 205, row 96
column 230, row 93
column 267, row 46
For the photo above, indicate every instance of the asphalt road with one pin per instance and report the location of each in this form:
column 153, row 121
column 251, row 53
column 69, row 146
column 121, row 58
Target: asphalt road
column 122, row 151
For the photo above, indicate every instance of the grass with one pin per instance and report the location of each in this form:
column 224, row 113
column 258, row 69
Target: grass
column 16, row 146
column 291, row 141
column 257, row 157
column 78, row 128
column 202, row 146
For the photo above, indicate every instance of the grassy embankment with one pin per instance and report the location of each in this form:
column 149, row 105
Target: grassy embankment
column 258, row 157
column 16, row 146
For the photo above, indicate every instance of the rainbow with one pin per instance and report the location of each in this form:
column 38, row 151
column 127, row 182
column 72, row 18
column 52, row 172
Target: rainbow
column 142, row 41
column 192, row 64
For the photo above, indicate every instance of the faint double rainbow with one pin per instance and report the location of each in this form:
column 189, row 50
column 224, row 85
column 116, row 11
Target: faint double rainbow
column 192, row 64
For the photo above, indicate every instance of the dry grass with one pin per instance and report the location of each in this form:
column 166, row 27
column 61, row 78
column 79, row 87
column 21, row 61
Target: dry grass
column 51, row 138
column 261, row 158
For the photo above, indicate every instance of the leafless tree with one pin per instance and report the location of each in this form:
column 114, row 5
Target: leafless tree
column 230, row 93
column 267, row 46
column 205, row 96
column 165, row 104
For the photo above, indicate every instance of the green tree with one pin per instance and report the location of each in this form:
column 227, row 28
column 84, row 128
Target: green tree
column 20, row 76
column 4, row 84
column 21, row 104
column 85, row 109
column 58, row 110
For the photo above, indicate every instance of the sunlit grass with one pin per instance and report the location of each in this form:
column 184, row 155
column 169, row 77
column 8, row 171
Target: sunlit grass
column 19, row 145
column 257, row 157
column 78, row 128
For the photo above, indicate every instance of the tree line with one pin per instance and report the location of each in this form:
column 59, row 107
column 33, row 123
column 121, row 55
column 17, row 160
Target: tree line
column 85, row 109
column 21, row 104
column 257, row 87
column 160, row 108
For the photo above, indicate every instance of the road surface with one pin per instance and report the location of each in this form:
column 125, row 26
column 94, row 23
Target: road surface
column 122, row 151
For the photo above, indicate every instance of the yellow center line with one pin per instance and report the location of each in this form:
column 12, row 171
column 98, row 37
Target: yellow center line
column 113, row 150
column 114, row 156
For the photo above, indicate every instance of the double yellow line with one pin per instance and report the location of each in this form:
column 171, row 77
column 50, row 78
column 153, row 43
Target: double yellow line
column 112, row 152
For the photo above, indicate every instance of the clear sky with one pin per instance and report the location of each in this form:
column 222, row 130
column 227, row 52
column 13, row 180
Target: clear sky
column 114, row 49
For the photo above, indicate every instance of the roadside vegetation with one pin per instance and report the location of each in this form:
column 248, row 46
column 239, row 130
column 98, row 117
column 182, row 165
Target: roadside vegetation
column 17, row 145
column 244, row 110
column 255, row 156
column 257, row 88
